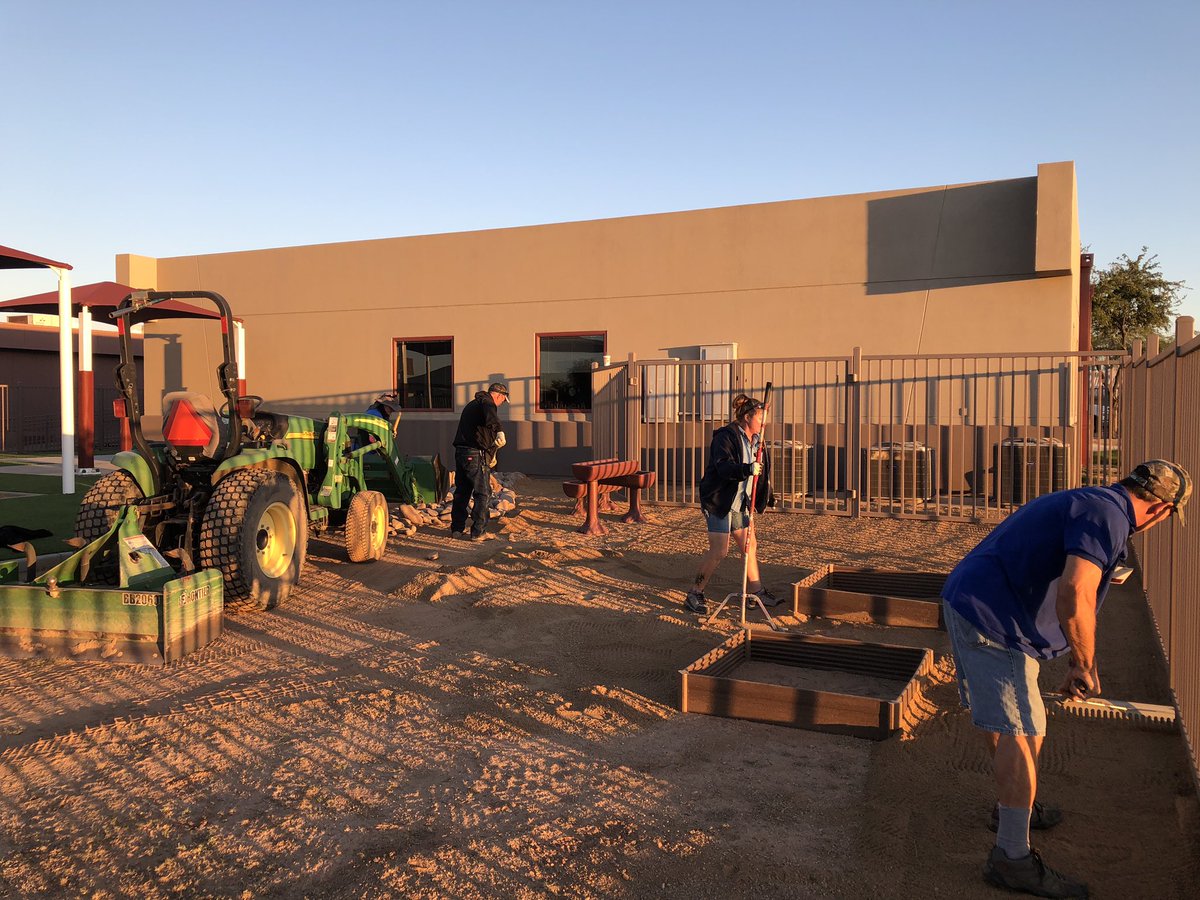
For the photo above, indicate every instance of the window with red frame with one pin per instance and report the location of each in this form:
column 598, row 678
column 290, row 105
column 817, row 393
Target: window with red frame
column 425, row 373
column 565, row 369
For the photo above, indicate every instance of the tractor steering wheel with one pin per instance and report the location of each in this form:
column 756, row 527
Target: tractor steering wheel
column 255, row 400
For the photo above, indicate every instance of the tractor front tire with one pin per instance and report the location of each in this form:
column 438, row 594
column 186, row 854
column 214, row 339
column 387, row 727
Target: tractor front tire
column 366, row 526
column 103, row 501
column 254, row 532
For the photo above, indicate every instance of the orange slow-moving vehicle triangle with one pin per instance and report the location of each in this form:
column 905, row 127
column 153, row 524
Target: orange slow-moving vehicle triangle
column 185, row 428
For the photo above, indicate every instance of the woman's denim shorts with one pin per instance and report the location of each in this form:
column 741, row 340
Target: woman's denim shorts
column 735, row 521
column 998, row 684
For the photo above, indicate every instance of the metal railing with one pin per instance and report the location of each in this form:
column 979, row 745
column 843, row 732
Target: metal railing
column 30, row 420
column 949, row 437
column 1160, row 396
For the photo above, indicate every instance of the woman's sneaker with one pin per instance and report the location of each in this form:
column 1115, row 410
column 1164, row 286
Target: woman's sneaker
column 694, row 602
column 1030, row 875
column 767, row 598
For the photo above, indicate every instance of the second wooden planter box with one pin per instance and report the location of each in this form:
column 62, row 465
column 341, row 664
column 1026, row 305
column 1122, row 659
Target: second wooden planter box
column 884, row 596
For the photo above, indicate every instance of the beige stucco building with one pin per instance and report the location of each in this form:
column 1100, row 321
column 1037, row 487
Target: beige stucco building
column 988, row 267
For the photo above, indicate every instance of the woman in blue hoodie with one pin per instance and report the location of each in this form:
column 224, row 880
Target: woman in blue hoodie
column 725, row 495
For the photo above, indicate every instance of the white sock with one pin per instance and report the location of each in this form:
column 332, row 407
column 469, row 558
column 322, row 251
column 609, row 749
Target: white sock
column 1013, row 834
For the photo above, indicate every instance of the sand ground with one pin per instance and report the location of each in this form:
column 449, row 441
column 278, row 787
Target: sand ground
column 502, row 722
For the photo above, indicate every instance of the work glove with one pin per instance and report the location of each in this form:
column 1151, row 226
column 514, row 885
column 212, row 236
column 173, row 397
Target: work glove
column 499, row 439
column 753, row 469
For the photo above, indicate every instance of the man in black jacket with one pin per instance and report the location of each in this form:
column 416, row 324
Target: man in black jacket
column 475, row 445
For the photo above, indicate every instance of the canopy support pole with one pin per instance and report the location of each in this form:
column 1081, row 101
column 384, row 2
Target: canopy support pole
column 87, row 397
column 66, row 379
column 239, row 332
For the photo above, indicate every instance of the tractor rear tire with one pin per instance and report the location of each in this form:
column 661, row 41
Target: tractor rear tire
column 255, row 533
column 103, row 501
column 366, row 526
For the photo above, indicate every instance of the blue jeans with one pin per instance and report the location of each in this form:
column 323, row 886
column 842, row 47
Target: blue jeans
column 998, row 684
column 735, row 521
column 472, row 486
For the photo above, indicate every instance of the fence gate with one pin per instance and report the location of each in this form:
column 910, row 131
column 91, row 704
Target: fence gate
column 974, row 437
column 663, row 413
column 954, row 437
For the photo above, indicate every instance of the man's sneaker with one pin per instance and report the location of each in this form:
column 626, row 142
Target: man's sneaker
column 1030, row 875
column 476, row 538
column 767, row 598
column 1043, row 818
column 695, row 602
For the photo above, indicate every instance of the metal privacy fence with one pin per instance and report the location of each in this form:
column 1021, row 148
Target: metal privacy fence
column 949, row 437
column 30, row 420
column 1160, row 397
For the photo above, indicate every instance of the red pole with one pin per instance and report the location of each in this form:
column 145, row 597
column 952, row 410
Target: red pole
column 758, row 459
column 753, row 500
column 86, row 399
column 86, row 414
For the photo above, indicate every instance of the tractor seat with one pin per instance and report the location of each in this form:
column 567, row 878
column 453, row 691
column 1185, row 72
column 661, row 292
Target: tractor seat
column 191, row 425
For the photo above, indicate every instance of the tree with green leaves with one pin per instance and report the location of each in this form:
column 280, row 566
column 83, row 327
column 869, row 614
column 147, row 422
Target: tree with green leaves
column 1132, row 300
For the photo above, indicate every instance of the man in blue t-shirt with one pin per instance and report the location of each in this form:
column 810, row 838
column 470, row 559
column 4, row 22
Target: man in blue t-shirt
column 1030, row 591
column 384, row 407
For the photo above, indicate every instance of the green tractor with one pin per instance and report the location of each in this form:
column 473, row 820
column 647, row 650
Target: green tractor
column 238, row 488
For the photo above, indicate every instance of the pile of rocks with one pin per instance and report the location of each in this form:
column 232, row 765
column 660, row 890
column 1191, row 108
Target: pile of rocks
column 406, row 517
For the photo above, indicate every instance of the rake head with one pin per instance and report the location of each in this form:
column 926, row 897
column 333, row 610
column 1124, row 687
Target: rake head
column 1148, row 715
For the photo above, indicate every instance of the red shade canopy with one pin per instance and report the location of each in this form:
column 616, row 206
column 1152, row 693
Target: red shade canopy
column 101, row 295
column 19, row 259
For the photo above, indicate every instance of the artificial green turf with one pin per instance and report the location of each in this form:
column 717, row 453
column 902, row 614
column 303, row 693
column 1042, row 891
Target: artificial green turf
column 42, row 484
column 51, row 509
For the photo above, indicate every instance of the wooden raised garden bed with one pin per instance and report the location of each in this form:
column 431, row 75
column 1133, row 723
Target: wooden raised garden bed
column 888, row 675
column 884, row 596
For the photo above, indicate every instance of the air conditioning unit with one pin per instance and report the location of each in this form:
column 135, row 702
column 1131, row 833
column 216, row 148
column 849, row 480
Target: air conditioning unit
column 660, row 392
column 899, row 470
column 1029, row 467
column 791, row 468
column 716, row 380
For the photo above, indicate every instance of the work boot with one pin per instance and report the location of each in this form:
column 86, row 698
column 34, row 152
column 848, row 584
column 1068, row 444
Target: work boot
column 1043, row 818
column 459, row 535
column 694, row 602
column 1030, row 876
column 768, row 599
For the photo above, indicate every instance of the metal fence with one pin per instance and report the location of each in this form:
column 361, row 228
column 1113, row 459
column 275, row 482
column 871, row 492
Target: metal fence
column 949, row 437
column 30, row 420
column 1160, row 394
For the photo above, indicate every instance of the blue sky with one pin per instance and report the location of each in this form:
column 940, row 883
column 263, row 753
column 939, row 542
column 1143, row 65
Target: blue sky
column 170, row 129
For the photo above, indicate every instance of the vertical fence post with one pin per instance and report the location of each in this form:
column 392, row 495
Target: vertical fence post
column 1185, row 330
column 1136, row 454
column 600, row 413
column 633, row 449
column 854, row 472
column 1185, row 327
